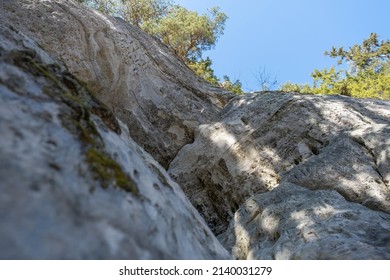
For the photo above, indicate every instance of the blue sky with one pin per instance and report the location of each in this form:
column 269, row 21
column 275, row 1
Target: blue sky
column 287, row 38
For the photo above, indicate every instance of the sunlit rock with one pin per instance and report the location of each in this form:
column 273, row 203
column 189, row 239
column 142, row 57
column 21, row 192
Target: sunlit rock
column 292, row 222
column 274, row 175
column 74, row 185
column 155, row 94
column 319, row 142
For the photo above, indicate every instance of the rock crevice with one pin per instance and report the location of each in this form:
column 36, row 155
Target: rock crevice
column 273, row 175
column 285, row 139
column 132, row 73
column 74, row 184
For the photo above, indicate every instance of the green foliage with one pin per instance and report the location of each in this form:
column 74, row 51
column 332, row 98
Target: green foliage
column 104, row 6
column 202, row 68
column 187, row 32
column 235, row 87
column 368, row 85
column 141, row 13
column 367, row 76
column 371, row 55
column 327, row 81
column 290, row 87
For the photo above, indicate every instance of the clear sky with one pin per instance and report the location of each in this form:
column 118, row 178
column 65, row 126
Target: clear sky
column 288, row 38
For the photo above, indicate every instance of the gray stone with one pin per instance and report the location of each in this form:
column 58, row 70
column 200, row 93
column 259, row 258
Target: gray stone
column 74, row 185
column 275, row 175
column 292, row 222
column 320, row 142
column 349, row 166
column 156, row 95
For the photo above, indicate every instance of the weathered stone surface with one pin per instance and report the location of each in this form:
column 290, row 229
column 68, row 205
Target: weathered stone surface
column 73, row 183
column 149, row 89
column 320, row 142
column 276, row 176
column 349, row 166
column 292, row 222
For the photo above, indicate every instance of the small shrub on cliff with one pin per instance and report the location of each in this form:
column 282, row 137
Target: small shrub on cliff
column 202, row 68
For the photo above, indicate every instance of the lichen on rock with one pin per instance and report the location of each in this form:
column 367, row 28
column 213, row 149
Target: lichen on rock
column 108, row 171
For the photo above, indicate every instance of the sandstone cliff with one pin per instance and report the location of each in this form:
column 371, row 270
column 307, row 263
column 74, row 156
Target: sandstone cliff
column 275, row 176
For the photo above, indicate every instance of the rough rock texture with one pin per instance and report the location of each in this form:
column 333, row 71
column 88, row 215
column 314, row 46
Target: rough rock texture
column 292, row 222
column 148, row 88
column 73, row 184
column 276, row 176
column 319, row 142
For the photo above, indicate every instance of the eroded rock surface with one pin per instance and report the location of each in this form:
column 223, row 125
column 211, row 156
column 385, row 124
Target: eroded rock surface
column 319, row 142
column 73, row 184
column 148, row 88
column 292, row 222
column 276, row 176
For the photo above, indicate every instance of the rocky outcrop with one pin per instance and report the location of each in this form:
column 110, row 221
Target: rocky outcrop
column 73, row 183
column 261, row 140
column 266, row 142
column 275, row 175
column 148, row 88
column 293, row 222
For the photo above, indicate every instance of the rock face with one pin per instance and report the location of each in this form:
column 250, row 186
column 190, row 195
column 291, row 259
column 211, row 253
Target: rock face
column 313, row 141
column 73, row 184
column 337, row 148
column 275, row 175
column 293, row 222
column 148, row 88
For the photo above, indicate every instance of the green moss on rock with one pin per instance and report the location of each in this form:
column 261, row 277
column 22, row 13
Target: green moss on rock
column 78, row 103
column 108, row 171
column 65, row 87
